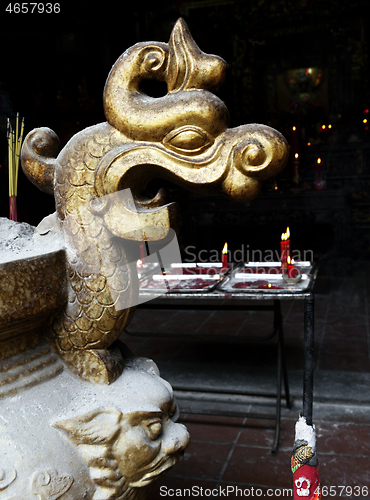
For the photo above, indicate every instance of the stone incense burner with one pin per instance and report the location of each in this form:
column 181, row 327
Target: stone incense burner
column 80, row 417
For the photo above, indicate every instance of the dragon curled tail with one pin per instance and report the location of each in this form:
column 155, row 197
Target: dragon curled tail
column 182, row 136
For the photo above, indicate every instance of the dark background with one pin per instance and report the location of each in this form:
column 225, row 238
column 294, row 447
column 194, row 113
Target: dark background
column 53, row 68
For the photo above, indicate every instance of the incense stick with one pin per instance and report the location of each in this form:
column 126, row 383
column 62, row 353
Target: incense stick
column 15, row 138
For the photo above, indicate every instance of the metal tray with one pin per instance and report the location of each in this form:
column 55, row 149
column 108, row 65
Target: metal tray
column 198, row 277
column 252, row 277
column 184, row 284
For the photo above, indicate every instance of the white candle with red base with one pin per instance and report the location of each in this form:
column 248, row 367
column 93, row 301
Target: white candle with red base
column 304, row 463
column 224, row 257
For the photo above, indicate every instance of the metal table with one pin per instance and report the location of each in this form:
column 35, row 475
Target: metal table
column 219, row 298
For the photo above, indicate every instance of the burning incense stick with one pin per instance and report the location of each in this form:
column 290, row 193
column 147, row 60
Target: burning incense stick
column 14, row 150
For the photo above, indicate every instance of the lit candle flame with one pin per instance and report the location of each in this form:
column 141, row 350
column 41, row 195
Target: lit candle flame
column 288, row 259
column 269, row 285
column 296, row 155
column 318, row 160
column 224, row 250
column 287, row 233
column 139, row 263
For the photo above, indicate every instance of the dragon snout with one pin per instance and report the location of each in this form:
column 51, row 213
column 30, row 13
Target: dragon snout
column 235, row 165
column 259, row 153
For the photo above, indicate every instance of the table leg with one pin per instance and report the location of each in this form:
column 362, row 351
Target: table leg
column 282, row 373
column 275, row 446
column 280, row 332
column 308, row 358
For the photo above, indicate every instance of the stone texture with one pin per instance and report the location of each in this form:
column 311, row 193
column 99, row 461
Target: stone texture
column 62, row 437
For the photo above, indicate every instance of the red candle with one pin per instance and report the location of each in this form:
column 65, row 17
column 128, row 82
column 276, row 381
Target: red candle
column 287, row 243
column 291, row 268
column 283, row 254
column 224, row 256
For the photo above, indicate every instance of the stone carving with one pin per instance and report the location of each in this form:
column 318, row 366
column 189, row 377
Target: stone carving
column 28, row 369
column 48, row 485
column 108, row 443
column 7, row 476
column 181, row 136
column 73, row 440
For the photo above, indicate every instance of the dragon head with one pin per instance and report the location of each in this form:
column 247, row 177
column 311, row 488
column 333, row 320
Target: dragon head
column 181, row 136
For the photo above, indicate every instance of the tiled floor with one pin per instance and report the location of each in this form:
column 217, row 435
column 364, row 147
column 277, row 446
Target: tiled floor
column 235, row 452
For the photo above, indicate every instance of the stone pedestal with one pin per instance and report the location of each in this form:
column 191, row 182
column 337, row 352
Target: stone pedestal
column 61, row 436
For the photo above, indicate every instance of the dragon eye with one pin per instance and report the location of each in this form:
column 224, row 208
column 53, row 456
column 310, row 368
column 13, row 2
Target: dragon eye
column 188, row 140
column 155, row 430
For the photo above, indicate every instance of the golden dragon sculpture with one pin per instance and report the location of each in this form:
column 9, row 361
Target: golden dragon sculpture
column 182, row 136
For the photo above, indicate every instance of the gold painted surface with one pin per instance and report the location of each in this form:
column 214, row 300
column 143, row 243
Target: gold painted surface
column 303, row 454
column 182, row 136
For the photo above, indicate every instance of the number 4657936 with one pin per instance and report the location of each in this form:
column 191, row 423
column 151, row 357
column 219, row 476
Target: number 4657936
column 33, row 8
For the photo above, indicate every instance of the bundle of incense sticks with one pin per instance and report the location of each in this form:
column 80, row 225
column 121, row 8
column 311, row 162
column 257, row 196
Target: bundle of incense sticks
column 15, row 138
